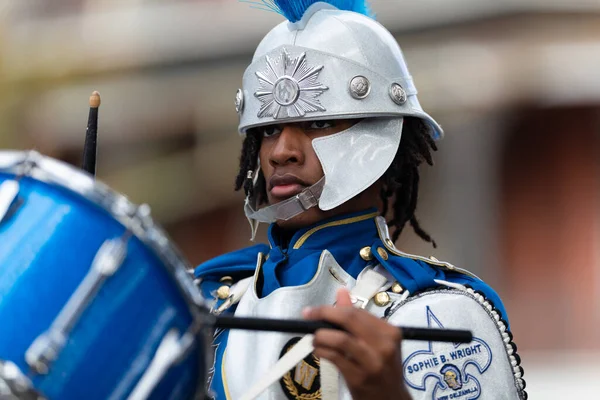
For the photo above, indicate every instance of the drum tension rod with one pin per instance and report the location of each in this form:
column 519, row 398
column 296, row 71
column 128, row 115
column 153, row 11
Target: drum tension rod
column 47, row 347
column 170, row 352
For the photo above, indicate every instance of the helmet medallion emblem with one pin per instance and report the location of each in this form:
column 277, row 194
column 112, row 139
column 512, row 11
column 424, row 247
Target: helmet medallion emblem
column 289, row 87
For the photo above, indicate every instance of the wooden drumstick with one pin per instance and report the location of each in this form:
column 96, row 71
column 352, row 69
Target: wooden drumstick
column 91, row 136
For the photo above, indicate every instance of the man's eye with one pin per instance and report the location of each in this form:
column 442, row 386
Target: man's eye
column 270, row 130
column 321, row 124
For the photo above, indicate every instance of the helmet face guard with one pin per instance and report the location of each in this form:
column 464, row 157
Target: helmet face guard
column 332, row 64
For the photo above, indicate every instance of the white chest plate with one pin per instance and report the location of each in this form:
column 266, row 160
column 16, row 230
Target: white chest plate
column 436, row 371
column 250, row 354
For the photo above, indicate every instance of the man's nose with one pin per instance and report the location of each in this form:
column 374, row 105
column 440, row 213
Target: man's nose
column 288, row 148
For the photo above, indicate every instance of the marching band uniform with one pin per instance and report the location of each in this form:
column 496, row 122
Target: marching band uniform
column 318, row 260
column 327, row 63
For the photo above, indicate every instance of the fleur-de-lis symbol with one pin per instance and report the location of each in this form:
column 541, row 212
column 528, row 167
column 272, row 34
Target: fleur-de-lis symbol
column 447, row 367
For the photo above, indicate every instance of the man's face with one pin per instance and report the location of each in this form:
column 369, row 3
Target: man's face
column 290, row 164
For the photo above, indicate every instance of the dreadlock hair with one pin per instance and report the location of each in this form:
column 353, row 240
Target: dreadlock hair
column 400, row 181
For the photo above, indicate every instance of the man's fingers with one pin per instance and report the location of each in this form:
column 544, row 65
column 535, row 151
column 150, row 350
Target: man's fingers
column 343, row 298
column 358, row 322
column 354, row 349
column 347, row 368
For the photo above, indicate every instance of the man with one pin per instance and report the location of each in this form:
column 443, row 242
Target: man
column 334, row 133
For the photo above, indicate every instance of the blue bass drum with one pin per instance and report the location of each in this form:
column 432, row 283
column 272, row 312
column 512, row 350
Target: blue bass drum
column 95, row 302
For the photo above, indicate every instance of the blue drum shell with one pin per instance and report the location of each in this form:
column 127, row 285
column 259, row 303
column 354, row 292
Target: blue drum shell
column 46, row 249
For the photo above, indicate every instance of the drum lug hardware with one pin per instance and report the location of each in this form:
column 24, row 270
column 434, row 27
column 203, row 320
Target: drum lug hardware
column 14, row 384
column 47, row 347
column 171, row 350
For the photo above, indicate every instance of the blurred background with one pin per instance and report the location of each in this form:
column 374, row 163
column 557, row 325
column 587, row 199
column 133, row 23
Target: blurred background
column 514, row 195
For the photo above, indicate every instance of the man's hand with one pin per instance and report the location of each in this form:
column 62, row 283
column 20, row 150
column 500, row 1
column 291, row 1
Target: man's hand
column 367, row 354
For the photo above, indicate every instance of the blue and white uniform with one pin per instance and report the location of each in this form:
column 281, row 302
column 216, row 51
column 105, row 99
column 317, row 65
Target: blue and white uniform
column 309, row 269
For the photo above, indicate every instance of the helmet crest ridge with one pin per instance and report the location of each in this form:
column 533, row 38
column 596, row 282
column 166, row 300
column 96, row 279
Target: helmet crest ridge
column 293, row 10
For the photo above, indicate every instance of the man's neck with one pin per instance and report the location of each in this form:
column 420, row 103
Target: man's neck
column 284, row 236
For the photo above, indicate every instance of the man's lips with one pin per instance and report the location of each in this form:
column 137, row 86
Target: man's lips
column 287, row 185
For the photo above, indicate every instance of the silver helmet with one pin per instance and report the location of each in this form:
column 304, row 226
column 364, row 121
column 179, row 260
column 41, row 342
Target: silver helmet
column 328, row 64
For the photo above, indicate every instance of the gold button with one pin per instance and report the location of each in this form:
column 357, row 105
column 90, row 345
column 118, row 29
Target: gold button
column 382, row 253
column 227, row 280
column 382, row 299
column 396, row 288
column 365, row 253
column 223, row 292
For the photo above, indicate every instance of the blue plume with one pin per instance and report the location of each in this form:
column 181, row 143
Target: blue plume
column 293, row 10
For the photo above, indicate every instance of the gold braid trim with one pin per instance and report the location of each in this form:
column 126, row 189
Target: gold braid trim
column 289, row 385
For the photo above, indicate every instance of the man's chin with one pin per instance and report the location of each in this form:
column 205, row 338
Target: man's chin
column 307, row 218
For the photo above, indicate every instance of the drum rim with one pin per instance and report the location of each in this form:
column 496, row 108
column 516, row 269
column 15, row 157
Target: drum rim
column 142, row 225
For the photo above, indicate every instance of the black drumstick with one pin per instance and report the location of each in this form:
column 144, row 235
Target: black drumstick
column 91, row 136
column 300, row 326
